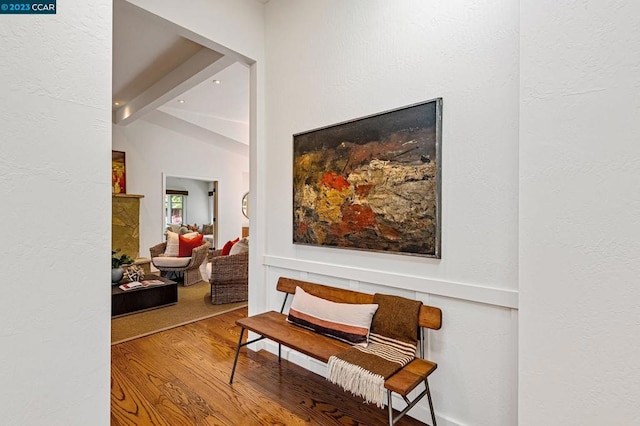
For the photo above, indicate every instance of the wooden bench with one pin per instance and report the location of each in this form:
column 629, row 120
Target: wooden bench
column 273, row 326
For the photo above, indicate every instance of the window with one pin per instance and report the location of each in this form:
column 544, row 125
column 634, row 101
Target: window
column 175, row 208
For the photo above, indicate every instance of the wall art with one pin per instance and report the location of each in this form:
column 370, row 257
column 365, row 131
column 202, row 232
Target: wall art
column 372, row 183
column 118, row 173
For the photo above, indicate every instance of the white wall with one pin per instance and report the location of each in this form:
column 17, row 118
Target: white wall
column 330, row 61
column 198, row 202
column 579, row 210
column 54, row 180
column 152, row 150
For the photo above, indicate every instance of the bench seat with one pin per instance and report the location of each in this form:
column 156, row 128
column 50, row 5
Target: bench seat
column 274, row 326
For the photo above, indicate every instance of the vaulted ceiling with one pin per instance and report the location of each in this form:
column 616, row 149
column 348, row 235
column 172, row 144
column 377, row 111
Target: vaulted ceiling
column 169, row 80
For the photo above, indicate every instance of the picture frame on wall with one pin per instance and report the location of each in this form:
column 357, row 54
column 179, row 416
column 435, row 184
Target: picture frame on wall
column 118, row 173
column 373, row 183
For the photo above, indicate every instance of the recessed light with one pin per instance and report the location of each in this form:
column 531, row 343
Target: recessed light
column 181, row 101
column 116, row 103
column 216, row 81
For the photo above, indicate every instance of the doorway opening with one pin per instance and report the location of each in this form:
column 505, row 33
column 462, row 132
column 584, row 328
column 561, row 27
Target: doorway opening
column 193, row 203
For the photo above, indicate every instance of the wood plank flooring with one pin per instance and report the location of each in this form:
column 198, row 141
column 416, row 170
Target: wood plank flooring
column 181, row 377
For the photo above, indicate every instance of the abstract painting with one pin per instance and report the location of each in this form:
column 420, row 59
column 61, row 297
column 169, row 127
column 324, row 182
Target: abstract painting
column 373, row 183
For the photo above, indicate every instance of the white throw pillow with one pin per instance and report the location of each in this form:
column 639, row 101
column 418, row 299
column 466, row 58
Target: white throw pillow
column 348, row 322
column 205, row 271
column 241, row 246
column 173, row 242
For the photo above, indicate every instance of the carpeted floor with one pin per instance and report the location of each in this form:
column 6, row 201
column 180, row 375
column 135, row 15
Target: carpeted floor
column 194, row 303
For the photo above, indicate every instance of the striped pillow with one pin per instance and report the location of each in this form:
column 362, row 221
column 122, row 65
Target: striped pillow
column 343, row 321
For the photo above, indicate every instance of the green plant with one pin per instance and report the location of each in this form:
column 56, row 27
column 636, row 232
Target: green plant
column 118, row 261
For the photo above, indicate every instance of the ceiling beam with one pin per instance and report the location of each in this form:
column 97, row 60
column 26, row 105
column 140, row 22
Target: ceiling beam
column 192, row 72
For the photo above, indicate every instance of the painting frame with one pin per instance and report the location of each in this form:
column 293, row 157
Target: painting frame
column 373, row 183
column 118, row 172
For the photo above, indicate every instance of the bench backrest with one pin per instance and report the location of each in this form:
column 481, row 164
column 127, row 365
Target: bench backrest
column 429, row 317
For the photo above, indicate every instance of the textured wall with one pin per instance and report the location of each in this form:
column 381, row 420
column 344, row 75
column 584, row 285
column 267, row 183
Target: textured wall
column 55, row 141
column 579, row 210
column 331, row 61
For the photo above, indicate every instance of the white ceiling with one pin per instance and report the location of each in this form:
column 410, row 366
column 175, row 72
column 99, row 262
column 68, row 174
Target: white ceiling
column 154, row 69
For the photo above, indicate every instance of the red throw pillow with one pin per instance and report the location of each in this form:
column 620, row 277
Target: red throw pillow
column 227, row 247
column 186, row 245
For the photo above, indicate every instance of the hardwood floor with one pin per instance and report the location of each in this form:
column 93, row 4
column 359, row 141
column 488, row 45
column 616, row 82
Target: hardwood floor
column 180, row 377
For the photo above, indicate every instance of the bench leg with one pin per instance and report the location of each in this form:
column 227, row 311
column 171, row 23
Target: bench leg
column 411, row 404
column 390, row 408
column 240, row 344
column 433, row 414
column 235, row 361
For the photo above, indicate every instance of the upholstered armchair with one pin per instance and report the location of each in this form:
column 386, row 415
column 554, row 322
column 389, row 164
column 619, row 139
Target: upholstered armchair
column 189, row 266
column 229, row 277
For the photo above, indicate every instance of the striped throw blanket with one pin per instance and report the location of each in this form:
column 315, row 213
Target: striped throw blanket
column 392, row 345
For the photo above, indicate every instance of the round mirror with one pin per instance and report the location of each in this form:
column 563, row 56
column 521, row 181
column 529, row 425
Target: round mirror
column 245, row 205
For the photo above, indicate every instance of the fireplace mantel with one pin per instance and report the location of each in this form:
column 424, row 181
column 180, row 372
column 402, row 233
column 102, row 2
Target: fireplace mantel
column 127, row 196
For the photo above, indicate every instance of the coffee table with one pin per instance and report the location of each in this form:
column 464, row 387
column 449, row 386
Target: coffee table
column 143, row 298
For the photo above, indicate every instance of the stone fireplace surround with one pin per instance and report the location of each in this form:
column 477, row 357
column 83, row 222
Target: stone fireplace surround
column 125, row 227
